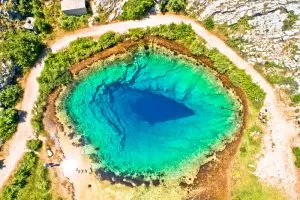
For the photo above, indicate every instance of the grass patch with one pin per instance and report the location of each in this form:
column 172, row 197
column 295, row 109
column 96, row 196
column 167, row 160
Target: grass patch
column 296, row 151
column 289, row 22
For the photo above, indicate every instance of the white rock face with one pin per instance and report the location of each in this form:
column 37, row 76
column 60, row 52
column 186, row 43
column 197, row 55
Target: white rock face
column 266, row 41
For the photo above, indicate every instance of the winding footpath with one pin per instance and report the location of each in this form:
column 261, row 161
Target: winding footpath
column 275, row 166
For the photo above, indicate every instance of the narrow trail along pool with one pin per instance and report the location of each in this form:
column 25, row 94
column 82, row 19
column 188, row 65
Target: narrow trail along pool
column 151, row 115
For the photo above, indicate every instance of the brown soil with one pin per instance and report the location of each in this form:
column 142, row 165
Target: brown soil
column 60, row 186
column 213, row 178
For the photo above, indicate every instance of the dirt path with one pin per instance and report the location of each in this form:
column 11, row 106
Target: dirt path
column 275, row 166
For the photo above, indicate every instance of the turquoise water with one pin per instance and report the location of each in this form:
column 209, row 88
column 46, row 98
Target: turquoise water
column 152, row 115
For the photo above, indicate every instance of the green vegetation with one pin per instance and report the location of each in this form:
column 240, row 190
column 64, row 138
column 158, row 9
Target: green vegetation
column 173, row 6
column 34, row 144
column 71, row 23
column 8, row 123
column 19, row 180
column 21, row 47
column 235, row 42
column 108, row 39
column 296, row 151
column 296, row 98
column 31, row 181
column 41, row 23
column 133, row 9
column 102, row 15
column 242, row 25
column 10, row 95
column 136, row 33
column 209, row 23
column 289, row 22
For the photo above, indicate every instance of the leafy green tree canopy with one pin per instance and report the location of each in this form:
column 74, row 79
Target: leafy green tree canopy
column 10, row 95
column 21, row 46
column 133, row 9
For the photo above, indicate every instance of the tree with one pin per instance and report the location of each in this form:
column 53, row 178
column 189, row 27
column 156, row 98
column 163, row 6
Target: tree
column 176, row 5
column 21, row 46
column 34, row 144
column 10, row 95
column 8, row 123
column 25, row 8
column 133, row 9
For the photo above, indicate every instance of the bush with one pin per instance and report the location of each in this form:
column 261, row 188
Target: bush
column 21, row 46
column 209, row 23
column 136, row 33
column 197, row 48
column 108, row 39
column 8, row 123
column 34, row 144
column 235, row 42
column 133, row 9
column 296, row 98
column 173, row 5
column 70, row 23
column 10, row 95
column 296, row 151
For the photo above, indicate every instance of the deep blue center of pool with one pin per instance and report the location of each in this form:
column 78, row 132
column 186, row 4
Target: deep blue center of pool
column 150, row 107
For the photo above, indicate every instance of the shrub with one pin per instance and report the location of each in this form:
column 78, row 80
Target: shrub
column 10, row 95
column 133, row 9
column 71, row 23
column 108, row 39
column 209, row 23
column 296, row 151
column 289, row 22
column 173, row 5
column 235, row 42
column 8, row 123
column 136, row 33
column 34, row 144
column 242, row 25
column 21, row 46
column 197, row 48
column 296, row 98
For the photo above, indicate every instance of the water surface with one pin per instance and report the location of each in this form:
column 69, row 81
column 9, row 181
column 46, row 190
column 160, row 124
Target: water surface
column 152, row 115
